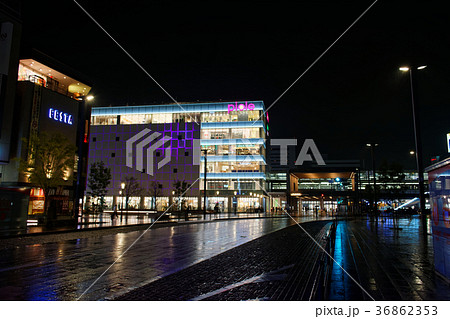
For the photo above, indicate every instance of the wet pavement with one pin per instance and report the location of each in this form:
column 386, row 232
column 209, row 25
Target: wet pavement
column 239, row 259
column 103, row 220
column 390, row 259
column 64, row 270
column 277, row 266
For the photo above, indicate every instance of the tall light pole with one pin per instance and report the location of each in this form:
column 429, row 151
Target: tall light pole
column 204, row 184
column 235, row 202
column 372, row 151
column 82, row 144
column 417, row 137
column 122, row 186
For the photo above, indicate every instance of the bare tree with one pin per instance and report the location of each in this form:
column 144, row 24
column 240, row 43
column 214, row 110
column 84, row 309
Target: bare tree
column 155, row 191
column 180, row 188
column 132, row 188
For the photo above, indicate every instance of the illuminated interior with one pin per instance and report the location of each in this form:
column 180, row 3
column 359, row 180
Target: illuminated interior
column 225, row 133
column 36, row 72
column 233, row 149
column 231, row 167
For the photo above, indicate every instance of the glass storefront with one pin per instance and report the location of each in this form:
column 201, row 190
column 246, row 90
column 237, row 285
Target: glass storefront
column 134, row 202
column 247, row 204
column 109, row 202
column 220, row 202
column 328, row 207
column 191, row 203
column 162, row 203
column 149, row 203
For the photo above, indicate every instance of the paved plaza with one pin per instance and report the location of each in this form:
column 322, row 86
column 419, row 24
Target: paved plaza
column 238, row 259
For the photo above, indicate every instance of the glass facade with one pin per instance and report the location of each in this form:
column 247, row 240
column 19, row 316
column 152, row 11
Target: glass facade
column 233, row 165
column 231, row 133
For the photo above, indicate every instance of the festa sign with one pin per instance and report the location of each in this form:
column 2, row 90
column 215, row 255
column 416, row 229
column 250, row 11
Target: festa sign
column 60, row 116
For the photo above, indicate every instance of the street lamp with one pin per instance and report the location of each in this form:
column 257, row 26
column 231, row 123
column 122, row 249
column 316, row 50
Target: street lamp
column 417, row 137
column 122, row 186
column 84, row 114
column 204, row 182
column 372, row 150
column 120, row 194
column 173, row 200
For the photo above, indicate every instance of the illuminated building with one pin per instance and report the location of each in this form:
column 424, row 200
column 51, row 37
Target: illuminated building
column 232, row 134
column 48, row 100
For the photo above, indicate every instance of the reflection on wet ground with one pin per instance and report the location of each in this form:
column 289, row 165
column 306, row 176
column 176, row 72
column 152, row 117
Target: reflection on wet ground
column 63, row 270
column 390, row 259
column 104, row 220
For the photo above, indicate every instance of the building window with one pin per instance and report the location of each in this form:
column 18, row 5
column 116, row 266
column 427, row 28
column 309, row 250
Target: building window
column 186, row 153
column 113, row 154
column 94, row 139
column 175, row 170
column 136, row 119
column 218, row 185
column 157, row 154
column 162, row 118
column 117, row 138
column 104, row 120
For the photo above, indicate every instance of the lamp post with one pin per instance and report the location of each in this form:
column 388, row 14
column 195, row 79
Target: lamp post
column 122, row 186
column 82, row 143
column 417, row 139
column 204, row 183
column 372, row 151
column 235, row 202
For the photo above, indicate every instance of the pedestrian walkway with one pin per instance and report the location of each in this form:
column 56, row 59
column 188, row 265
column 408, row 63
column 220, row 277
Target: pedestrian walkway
column 390, row 260
column 104, row 220
column 277, row 266
column 64, row 269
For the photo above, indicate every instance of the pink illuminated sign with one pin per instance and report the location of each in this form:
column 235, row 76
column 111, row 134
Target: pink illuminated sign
column 241, row 107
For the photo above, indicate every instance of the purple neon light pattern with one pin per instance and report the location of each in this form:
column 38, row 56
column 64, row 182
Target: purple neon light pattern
column 103, row 144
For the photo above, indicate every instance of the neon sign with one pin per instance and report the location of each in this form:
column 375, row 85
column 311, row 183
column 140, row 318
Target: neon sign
column 60, row 116
column 241, row 107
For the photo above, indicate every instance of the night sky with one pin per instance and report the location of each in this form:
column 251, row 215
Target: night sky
column 253, row 50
